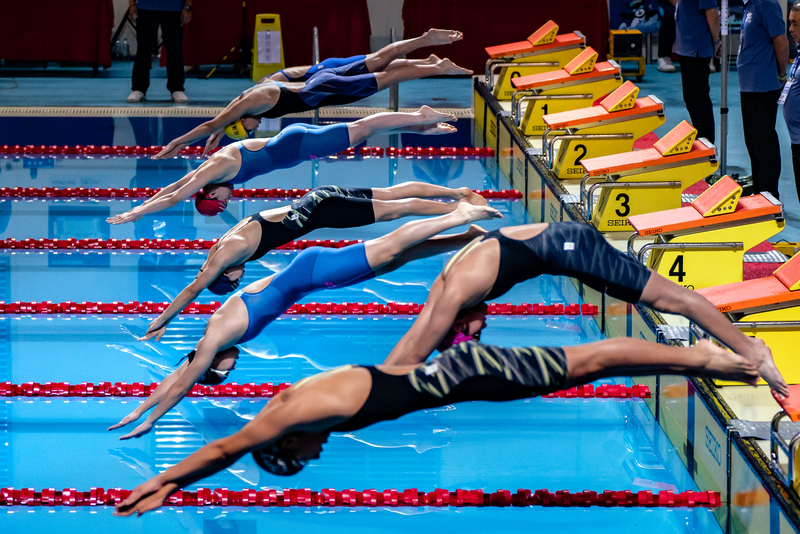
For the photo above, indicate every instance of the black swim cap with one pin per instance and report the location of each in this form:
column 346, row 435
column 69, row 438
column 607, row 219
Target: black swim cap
column 278, row 461
column 222, row 285
column 211, row 377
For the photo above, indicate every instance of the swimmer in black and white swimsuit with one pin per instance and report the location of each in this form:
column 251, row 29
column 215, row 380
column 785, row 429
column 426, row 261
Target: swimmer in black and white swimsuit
column 292, row 428
column 323, row 207
column 492, row 264
column 325, row 87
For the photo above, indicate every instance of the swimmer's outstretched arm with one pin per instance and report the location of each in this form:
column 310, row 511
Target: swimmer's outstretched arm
column 250, row 103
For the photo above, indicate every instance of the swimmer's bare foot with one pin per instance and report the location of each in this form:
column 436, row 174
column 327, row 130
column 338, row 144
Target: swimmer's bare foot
column 438, row 129
column 766, row 367
column 721, row 363
column 472, row 213
column 447, row 67
column 475, row 231
column 471, row 196
column 436, row 37
column 430, row 115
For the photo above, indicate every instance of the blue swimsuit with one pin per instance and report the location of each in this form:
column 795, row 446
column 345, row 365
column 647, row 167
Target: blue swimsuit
column 312, row 270
column 330, row 63
column 294, row 144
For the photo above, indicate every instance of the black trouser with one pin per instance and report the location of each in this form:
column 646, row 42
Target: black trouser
column 666, row 32
column 694, row 77
column 796, row 165
column 147, row 24
column 759, row 111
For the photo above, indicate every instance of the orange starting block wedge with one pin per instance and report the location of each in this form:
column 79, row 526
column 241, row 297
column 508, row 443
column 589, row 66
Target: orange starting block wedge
column 564, row 76
column 678, row 141
column 544, row 38
column 789, row 274
column 722, row 197
column 621, row 99
column 583, row 62
column 641, row 159
column 599, row 115
column 790, row 404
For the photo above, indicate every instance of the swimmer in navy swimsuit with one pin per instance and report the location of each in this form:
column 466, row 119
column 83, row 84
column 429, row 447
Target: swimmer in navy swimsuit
column 492, row 264
column 213, row 181
column 247, row 312
column 293, row 427
column 322, row 207
column 335, row 86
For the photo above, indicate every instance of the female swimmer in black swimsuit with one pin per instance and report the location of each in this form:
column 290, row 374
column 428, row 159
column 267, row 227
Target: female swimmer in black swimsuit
column 326, row 87
column 291, row 429
column 492, row 264
column 323, row 207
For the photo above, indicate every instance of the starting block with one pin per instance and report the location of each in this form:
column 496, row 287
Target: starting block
column 543, row 51
column 577, row 85
column 610, row 128
column 716, row 230
column 767, row 308
column 644, row 181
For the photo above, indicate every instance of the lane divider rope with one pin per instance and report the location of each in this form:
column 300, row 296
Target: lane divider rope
column 264, row 391
column 146, row 192
column 154, row 244
column 310, row 308
column 138, row 151
column 370, row 498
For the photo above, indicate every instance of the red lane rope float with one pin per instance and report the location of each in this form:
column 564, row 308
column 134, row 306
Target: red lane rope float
column 370, row 498
column 139, row 151
column 266, row 390
column 310, row 308
column 154, row 244
column 146, row 192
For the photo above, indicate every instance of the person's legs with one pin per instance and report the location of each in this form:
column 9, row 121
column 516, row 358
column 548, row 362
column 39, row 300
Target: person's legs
column 796, row 165
column 361, row 129
column 629, row 356
column 694, row 78
column 666, row 296
column 411, row 70
column 377, row 61
column 172, row 35
column 146, row 36
column 666, row 32
column 425, row 190
column 759, row 111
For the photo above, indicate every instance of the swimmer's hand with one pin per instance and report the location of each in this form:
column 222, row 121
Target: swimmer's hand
column 170, row 150
column 145, row 497
column 128, row 216
column 152, row 331
column 212, row 143
column 139, row 431
column 128, row 419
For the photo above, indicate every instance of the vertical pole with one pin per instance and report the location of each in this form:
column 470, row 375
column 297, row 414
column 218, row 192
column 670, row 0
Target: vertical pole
column 394, row 101
column 314, row 61
column 723, row 101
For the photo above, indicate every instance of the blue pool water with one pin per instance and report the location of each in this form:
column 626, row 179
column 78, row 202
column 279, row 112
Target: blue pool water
column 536, row 443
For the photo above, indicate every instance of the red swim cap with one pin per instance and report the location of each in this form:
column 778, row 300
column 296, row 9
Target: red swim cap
column 208, row 206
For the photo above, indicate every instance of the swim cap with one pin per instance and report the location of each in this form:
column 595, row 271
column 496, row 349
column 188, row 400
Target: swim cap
column 209, row 206
column 210, row 377
column 222, row 285
column 454, row 338
column 278, row 461
column 236, row 130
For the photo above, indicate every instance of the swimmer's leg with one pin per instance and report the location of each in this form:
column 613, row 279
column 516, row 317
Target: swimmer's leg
column 377, row 61
column 629, row 356
column 414, row 71
column 425, row 118
column 425, row 190
column 387, row 248
column 666, row 296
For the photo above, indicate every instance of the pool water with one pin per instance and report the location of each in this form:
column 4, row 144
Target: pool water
column 553, row 444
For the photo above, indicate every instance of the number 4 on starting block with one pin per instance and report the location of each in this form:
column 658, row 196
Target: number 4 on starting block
column 722, row 197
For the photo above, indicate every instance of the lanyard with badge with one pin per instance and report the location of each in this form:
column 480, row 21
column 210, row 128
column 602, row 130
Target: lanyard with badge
column 788, row 85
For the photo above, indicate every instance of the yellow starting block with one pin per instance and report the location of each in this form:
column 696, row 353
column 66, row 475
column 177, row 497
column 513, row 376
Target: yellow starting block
column 610, row 128
column 767, row 308
column 703, row 245
column 543, row 51
column 577, row 85
column 645, row 181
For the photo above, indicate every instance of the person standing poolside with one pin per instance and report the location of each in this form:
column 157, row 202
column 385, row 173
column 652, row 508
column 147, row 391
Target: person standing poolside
column 790, row 96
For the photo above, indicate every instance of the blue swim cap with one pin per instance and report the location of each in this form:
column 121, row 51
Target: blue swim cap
column 222, row 285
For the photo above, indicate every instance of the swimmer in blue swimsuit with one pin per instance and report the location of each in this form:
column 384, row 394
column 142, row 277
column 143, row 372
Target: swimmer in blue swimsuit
column 325, row 87
column 492, row 264
column 245, row 314
column 213, row 181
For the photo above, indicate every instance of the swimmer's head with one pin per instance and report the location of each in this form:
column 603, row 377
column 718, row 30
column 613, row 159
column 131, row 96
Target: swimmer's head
column 227, row 281
column 291, row 453
column 221, row 366
column 241, row 128
column 213, row 199
column 467, row 326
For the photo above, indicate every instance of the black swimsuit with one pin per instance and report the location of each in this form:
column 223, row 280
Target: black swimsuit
column 467, row 371
column 571, row 249
column 323, row 207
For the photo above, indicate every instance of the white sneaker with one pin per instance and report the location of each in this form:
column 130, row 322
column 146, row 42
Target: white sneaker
column 179, row 97
column 135, row 96
column 711, row 66
column 665, row 65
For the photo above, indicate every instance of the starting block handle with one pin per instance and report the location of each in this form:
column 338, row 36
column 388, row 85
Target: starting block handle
column 531, row 94
column 493, row 64
column 789, row 448
column 589, row 195
column 728, row 245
